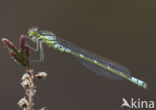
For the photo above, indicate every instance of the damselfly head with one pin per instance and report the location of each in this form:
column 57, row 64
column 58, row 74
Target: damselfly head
column 33, row 32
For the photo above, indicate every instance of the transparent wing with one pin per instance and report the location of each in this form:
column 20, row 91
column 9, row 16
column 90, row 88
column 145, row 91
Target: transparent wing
column 98, row 70
column 92, row 66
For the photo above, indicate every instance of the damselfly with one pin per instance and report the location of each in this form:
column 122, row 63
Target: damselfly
column 101, row 66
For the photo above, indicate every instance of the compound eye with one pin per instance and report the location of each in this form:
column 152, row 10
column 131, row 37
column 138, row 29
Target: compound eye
column 35, row 29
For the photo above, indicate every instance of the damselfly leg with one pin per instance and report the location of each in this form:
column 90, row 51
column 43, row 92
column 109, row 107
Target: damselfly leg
column 39, row 48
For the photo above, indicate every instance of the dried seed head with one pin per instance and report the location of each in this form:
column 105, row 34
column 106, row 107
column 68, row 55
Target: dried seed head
column 41, row 75
column 22, row 42
column 8, row 43
column 43, row 108
column 26, row 76
column 25, row 84
column 23, row 103
column 34, row 91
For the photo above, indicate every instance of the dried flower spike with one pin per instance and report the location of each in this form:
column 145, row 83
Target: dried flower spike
column 41, row 75
column 23, row 103
column 26, row 76
column 25, row 84
column 43, row 108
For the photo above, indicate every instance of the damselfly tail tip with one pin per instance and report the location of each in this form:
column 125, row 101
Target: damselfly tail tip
column 139, row 82
column 145, row 85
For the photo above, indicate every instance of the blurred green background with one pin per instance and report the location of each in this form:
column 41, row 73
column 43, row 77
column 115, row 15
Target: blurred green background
column 121, row 30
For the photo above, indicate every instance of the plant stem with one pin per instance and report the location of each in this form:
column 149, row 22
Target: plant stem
column 30, row 92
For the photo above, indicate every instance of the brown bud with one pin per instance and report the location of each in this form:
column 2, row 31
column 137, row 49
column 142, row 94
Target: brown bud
column 14, row 55
column 22, row 42
column 27, row 51
column 8, row 43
